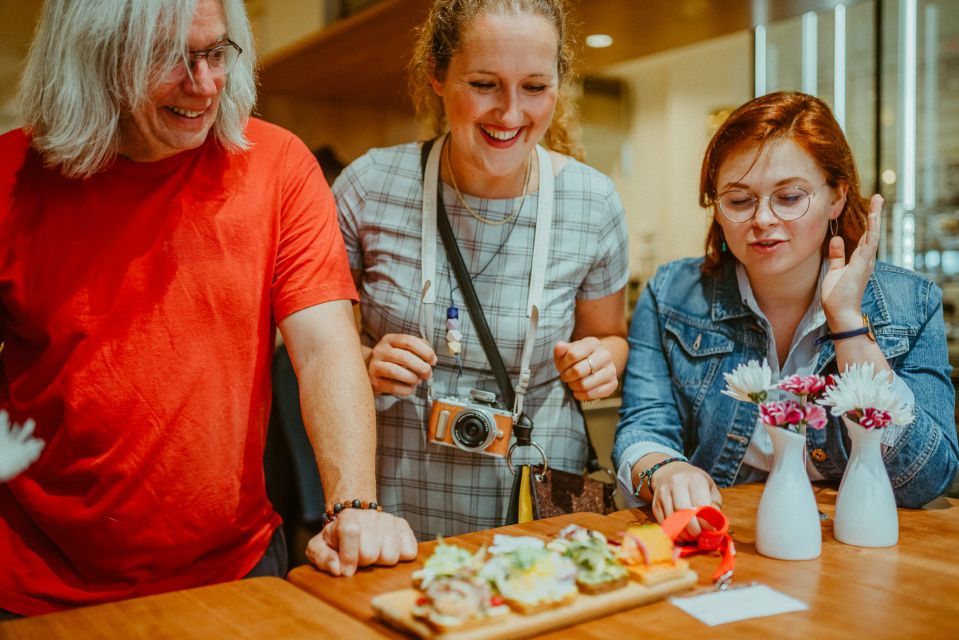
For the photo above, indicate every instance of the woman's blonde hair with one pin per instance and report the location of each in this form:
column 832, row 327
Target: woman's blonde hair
column 94, row 61
column 439, row 38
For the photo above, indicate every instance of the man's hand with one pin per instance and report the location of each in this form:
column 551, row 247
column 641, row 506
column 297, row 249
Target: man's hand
column 361, row 537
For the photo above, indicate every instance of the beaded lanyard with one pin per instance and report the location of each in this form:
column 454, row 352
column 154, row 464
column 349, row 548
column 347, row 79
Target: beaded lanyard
column 454, row 338
column 541, row 239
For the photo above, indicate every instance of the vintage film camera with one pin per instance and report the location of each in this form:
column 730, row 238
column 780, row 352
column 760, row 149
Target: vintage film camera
column 475, row 425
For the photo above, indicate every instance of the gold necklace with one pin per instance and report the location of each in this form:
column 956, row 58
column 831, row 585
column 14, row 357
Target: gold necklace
column 459, row 196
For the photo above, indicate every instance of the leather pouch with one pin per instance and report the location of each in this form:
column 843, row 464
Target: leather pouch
column 543, row 493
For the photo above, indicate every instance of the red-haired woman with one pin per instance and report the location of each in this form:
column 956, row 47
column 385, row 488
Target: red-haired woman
column 790, row 258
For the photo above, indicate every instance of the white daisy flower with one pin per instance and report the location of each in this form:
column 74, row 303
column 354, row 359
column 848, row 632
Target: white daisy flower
column 18, row 450
column 861, row 389
column 749, row 382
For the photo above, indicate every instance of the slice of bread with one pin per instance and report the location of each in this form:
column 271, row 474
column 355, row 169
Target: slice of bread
column 593, row 588
column 650, row 556
column 528, row 608
column 446, row 624
column 658, row 572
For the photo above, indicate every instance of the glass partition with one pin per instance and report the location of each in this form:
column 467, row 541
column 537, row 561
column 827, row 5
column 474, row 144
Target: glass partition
column 890, row 71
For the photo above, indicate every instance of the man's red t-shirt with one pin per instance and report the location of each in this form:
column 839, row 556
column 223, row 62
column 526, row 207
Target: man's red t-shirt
column 138, row 310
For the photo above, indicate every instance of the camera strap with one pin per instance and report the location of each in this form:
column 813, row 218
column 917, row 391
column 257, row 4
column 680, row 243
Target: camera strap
column 434, row 216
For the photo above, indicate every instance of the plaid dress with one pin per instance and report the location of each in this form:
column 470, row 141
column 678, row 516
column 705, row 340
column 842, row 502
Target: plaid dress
column 442, row 490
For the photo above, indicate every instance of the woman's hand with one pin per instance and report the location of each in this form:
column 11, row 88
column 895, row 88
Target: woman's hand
column 844, row 284
column 586, row 366
column 680, row 485
column 398, row 363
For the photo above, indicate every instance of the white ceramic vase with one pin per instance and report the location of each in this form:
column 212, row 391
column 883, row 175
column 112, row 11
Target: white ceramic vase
column 787, row 523
column 866, row 513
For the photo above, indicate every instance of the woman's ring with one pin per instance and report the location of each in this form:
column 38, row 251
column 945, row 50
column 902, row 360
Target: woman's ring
column 590, row 363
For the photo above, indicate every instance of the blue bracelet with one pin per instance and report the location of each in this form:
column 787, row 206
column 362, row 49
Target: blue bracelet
column 647, row 476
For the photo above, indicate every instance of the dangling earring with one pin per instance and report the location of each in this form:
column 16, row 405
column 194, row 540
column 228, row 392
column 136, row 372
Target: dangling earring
column 833, row 226
column 722, row 247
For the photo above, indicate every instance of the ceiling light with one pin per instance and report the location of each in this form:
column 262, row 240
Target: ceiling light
column 599, row 40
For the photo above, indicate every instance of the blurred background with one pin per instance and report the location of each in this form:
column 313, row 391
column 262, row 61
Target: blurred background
column 655, row 79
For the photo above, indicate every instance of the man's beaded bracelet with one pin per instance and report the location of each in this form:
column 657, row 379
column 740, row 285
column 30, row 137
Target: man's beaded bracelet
column 334, row 510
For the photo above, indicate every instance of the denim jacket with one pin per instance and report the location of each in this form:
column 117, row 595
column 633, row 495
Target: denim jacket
column 688, row 329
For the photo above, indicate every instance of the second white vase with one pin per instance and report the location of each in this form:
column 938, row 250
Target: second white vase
column 787, row 522
column 866, row 513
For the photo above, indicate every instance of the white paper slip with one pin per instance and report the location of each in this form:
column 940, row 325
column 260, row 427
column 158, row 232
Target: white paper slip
column 720, row 607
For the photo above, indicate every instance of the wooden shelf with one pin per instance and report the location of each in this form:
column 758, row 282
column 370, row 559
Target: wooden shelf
column 360, row 59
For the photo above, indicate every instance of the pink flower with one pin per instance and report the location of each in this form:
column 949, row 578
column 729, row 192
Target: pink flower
column 815, row 416
column 803, row 385
column 871, row 418
column 868, row 397
column 781, row 413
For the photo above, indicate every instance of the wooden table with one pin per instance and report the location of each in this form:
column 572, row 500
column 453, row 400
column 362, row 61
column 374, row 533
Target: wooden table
column 257, row 608
column 907, row 591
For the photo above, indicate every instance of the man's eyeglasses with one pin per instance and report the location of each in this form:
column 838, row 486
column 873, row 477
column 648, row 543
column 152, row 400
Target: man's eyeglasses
column 219, row 59
column 788, row 203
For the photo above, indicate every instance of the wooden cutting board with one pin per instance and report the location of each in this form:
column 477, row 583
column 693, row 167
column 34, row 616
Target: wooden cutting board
column 394, row 607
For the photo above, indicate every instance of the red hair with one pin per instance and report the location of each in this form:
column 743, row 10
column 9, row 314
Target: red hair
column 799, row 118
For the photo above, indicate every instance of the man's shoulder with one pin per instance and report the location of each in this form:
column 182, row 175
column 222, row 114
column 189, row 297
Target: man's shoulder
column 261, row 129
column 15, row 137
column 265, row 135
column 13, row 146
column 272, row 146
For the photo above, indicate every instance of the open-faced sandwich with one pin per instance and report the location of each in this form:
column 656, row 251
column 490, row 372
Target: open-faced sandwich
column 597, row 569
column 650, row 556
column 458, row 602
column 448, row 560
column 531, row 578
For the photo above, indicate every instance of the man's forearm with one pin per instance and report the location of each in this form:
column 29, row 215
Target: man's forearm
column 337, row 404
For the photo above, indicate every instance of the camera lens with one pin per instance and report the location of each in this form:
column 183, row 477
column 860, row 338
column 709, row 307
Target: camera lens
column 473, row 431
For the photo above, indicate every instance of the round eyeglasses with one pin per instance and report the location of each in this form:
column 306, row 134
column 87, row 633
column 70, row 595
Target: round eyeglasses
column 788, row 203
column 219, row 59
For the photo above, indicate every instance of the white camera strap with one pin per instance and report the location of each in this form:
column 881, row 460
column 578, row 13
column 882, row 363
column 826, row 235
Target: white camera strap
column 543, row 230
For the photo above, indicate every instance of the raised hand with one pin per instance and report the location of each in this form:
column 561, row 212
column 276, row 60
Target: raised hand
column 398, row 363
column 586, row 366
column 845, row 283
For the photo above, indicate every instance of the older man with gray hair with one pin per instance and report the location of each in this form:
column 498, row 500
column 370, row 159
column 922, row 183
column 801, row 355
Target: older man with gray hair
column 154, row 238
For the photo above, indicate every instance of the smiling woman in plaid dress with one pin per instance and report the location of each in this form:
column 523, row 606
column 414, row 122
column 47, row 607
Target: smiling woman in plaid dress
column 493, row 74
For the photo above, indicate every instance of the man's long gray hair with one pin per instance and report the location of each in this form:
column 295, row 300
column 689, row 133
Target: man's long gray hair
column 94, row 61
